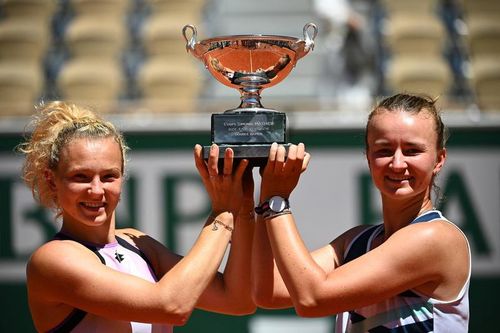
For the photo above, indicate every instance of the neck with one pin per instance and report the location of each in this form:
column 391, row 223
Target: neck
column 399, row 213
column 101, row 234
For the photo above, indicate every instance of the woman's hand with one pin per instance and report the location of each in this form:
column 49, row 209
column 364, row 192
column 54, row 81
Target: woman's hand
column 224, row 187
column 248, row 204
column 281, row 175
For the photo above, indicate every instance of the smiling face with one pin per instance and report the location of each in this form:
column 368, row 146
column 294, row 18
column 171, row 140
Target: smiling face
column 402, row 153
column 88, row 180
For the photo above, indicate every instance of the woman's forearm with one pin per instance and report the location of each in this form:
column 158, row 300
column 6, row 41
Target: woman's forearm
column 301, row 274
column 187, row 280
column 268, row 289
column 237, row 273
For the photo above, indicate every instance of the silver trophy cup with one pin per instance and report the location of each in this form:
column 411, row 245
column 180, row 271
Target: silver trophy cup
column 249, row 63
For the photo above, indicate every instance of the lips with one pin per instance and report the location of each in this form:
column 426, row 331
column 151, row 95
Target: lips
column 93, row 205
column 398, row 179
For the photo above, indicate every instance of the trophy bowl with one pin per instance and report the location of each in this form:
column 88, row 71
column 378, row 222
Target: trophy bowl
column 249, row 63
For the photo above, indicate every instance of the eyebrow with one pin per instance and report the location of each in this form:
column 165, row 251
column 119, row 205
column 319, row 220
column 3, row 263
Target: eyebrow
column 82, row 169
column 386, row 143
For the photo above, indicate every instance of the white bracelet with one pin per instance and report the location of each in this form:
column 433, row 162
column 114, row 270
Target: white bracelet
column 270, row 214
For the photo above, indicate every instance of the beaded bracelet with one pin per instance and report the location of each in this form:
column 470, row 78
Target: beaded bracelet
column 225, row 226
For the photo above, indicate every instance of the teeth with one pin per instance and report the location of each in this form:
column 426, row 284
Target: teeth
column 398, row 179
column 93, row 204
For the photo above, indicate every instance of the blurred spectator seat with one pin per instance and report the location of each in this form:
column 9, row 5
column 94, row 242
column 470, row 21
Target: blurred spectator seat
column 480, row 7
column 486, row 82
column 414, row 34
column 96, row 37
column 410, row 7
column 29, row 9
column 277, row 17
column 20, row 86
column 484, row 35
column 170, row 84
column 419, row 74
column 92, row 81
column 106, row 8
column 162, row 34
column 194, row 7
column 23, row 39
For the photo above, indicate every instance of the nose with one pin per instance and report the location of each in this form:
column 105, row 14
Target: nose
column 96, row 186
column 398, row 160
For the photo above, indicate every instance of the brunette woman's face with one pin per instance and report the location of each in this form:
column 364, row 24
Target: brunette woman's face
column 402, row 153
column 88, row 180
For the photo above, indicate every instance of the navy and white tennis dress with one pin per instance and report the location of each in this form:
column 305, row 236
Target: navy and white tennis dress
column 124, row 257
column 410, row 311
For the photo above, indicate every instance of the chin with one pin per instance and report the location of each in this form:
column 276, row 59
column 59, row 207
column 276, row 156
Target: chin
column 399, row 192
column 95, row 221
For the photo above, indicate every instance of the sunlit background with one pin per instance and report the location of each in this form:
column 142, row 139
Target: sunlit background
column 128, row 57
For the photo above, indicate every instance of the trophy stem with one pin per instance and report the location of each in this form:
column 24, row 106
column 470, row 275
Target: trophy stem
column 250, row 98
column 250, row 88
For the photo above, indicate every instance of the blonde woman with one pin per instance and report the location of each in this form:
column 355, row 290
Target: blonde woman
column 93, row 277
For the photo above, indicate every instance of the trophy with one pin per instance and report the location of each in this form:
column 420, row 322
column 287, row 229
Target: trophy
column 249, row 63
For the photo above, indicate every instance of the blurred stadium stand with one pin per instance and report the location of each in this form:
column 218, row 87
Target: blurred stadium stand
column 128, row 56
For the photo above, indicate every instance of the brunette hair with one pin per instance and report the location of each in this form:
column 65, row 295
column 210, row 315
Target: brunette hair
column 412, row 103
column 415, row 104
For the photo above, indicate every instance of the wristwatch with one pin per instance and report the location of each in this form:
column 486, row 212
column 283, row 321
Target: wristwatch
column 278, row 204
column 275, row 205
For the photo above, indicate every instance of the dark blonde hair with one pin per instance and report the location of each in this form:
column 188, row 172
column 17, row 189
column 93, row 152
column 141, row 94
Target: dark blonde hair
column 54, row 125
column 414, row 104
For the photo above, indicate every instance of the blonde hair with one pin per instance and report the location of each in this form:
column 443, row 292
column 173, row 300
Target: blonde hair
column 54, row 125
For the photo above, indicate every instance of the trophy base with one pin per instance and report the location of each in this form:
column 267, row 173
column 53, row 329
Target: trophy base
column 257, row 154
column 245, row 127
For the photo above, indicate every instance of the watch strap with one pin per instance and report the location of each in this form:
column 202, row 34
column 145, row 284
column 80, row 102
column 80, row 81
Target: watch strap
column 265, row 207
column 270, row 214
column 262, row 208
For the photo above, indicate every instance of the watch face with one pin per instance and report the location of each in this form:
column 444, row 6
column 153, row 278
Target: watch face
column 277, row 204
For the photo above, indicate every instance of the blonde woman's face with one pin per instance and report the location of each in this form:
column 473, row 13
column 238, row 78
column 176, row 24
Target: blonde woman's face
column 88, row 180
column 402, row 153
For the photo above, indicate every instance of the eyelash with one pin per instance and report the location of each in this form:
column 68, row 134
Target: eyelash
column 84, row 178
column 386, row 152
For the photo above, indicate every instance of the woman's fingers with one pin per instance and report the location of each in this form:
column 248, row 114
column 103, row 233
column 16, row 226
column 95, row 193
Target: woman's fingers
column 272, row 154
column 301, row 150
column 305, row 162
column 213, row 159
column 280, row 158
column 199, row 161
column 228, row 163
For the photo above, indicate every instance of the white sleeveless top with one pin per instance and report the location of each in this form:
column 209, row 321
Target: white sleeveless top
column 409, row 311
column 124, row 257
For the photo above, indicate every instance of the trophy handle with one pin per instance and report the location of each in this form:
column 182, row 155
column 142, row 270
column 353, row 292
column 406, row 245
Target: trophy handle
column 190, row 42
column 310, row 32
column 309, row 40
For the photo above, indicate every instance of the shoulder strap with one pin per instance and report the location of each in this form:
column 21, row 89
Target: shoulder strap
column 358, row 246
column 92, row 248
column 429, row 216
column 70, row 322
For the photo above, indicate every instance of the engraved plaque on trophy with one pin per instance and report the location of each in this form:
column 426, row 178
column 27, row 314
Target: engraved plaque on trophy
column 249, row 63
